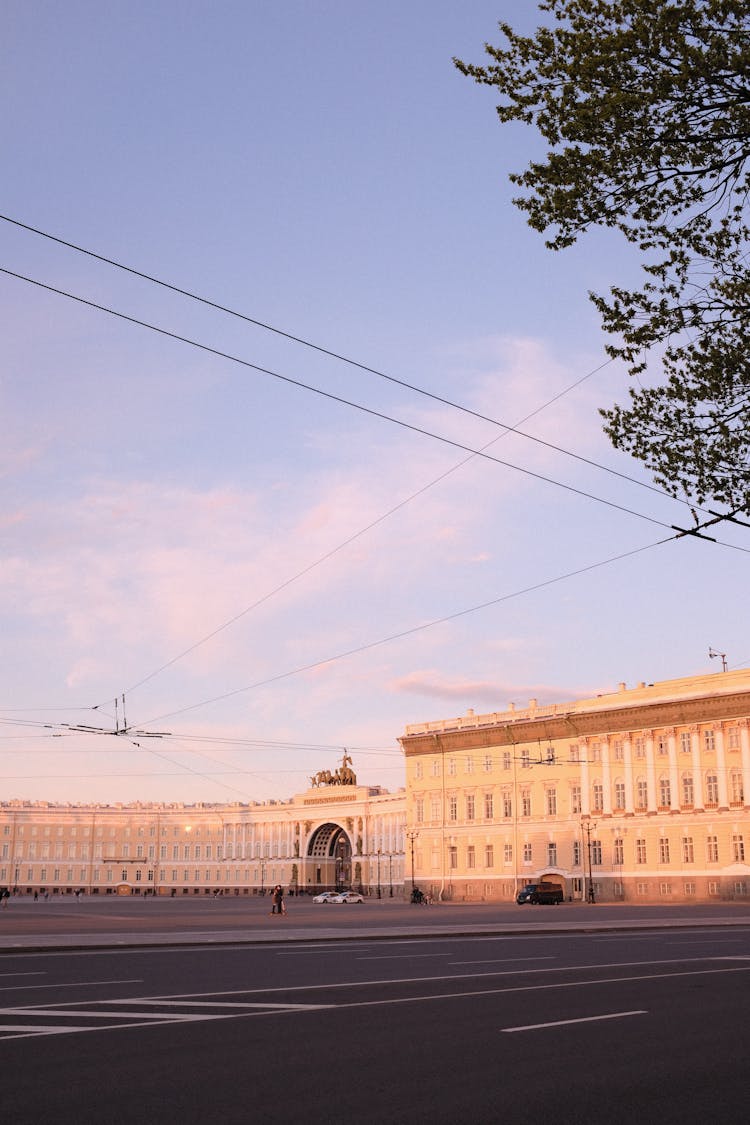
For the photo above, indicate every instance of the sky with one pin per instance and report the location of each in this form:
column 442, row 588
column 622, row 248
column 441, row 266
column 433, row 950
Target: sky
column 271, row 554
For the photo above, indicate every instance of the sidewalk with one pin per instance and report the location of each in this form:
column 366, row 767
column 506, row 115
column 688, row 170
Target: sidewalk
column 281, row 932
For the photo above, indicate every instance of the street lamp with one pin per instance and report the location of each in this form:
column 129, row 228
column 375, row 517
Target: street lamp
column 390, row 875
column 411, row 837
column 378, row 872
column 587, row 826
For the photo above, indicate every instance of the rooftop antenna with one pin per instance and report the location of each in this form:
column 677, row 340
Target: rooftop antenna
column 712, row 653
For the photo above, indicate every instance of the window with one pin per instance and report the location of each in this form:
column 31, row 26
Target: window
column 689, row 890
column 487, row 763
column 575, row 798
column 525, row 802
column 736, row 787
column 453, row 857
column 595, row 753
column 641, row 793
column 453, row 808
column 435, row 767
column 418, row 812
column 665, row 888
column 470, row 765
column 661, row 745
column 507, row 804
column 685, row 742
column 738, row 848
column 712, row 849
column 451, row 767
column 471, row 858
column 596, row 853
column 641, row 888
column 489, row 806
column 598, row 791
column 418, row 770
column 619, row 794
column 552, row 854
column 574, row 754
column 713, row 887
column 618, row 751
column 551, row 802
column 665, row 793
column 687, row 790
column 507, row 853
column 709, row 740
column 576, row 853
column 687, row 850
column 434, row 808
column 506, row 759
column 489, row 855
column 640, row 748
column 663, row 850
column 525, row 760
column 712, row 790
column 618, row 851
column 470, row 806
column 640, row 851
column 733, row 738
column 527, row 853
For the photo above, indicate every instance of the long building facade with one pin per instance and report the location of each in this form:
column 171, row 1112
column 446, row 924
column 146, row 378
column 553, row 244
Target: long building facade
column 641, row 795
column 331, row 836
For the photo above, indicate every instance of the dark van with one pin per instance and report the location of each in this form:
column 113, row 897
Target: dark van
column 536, row 893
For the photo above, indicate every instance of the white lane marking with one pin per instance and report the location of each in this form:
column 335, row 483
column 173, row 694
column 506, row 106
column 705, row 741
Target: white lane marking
column 31, row 1029
column 402, row 957
column 212, row 1004
column 69, row 984
column 38, row 974
column 500, row 960
column 583, row 1019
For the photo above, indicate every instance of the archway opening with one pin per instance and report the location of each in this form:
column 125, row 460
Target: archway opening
column 329, row 854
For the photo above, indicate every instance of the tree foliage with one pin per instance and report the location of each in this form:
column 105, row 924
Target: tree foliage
column 645, row 109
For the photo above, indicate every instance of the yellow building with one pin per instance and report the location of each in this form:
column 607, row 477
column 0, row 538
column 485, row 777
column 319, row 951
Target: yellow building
column 642, row 795
column 332, row 835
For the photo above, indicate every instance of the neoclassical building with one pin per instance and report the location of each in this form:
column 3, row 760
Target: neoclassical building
column 643, row 794
column 332, row 835
column 640, row 795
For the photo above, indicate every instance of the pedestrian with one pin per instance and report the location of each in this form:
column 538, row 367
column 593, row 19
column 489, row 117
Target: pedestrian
column 276, row 899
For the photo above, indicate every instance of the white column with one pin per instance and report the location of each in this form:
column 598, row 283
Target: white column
column 674, row 775
column 650, row 771
column 628, row 752
column 745, row 747
column 583, row 750
column 721, row 769
column 606, row 778
column 695, row 746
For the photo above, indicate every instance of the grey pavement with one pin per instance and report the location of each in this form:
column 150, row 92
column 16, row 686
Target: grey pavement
column 22, row 931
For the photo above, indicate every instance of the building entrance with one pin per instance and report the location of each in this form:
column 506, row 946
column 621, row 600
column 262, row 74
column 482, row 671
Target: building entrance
column 329, row 856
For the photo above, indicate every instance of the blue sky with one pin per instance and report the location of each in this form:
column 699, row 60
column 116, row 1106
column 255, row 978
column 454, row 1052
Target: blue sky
column 324, row 169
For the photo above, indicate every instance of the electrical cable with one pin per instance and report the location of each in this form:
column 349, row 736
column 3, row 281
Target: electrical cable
column 329, row 395
column 332, row 354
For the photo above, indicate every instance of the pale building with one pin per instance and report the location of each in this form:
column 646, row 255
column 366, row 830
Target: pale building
column 332, row 835
column 642, row 795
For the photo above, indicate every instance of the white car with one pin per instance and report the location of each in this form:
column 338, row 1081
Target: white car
column 347, row 896
column 327, row 896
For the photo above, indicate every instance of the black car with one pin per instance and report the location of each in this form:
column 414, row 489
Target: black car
column 536, row 893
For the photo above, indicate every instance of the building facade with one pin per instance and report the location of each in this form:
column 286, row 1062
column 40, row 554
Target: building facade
column 331, row 836
column 642, row 795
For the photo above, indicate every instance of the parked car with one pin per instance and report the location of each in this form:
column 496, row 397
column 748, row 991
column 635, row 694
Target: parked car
column 536, row 893
column 347, row 896
column 326, row 896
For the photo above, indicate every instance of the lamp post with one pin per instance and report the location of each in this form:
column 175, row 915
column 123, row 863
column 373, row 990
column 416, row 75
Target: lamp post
column 587, row 826
column 411, row 837
column 378, row 872
column 390, row 875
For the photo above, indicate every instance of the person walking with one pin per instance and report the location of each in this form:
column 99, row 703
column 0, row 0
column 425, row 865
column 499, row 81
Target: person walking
column 276, row 899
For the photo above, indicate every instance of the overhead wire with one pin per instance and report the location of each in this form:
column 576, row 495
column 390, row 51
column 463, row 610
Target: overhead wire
column 207, row 301
column 330, row 395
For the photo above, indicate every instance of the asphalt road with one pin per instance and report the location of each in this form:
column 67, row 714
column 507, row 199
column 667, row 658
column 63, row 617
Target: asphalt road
column 590, row 1027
